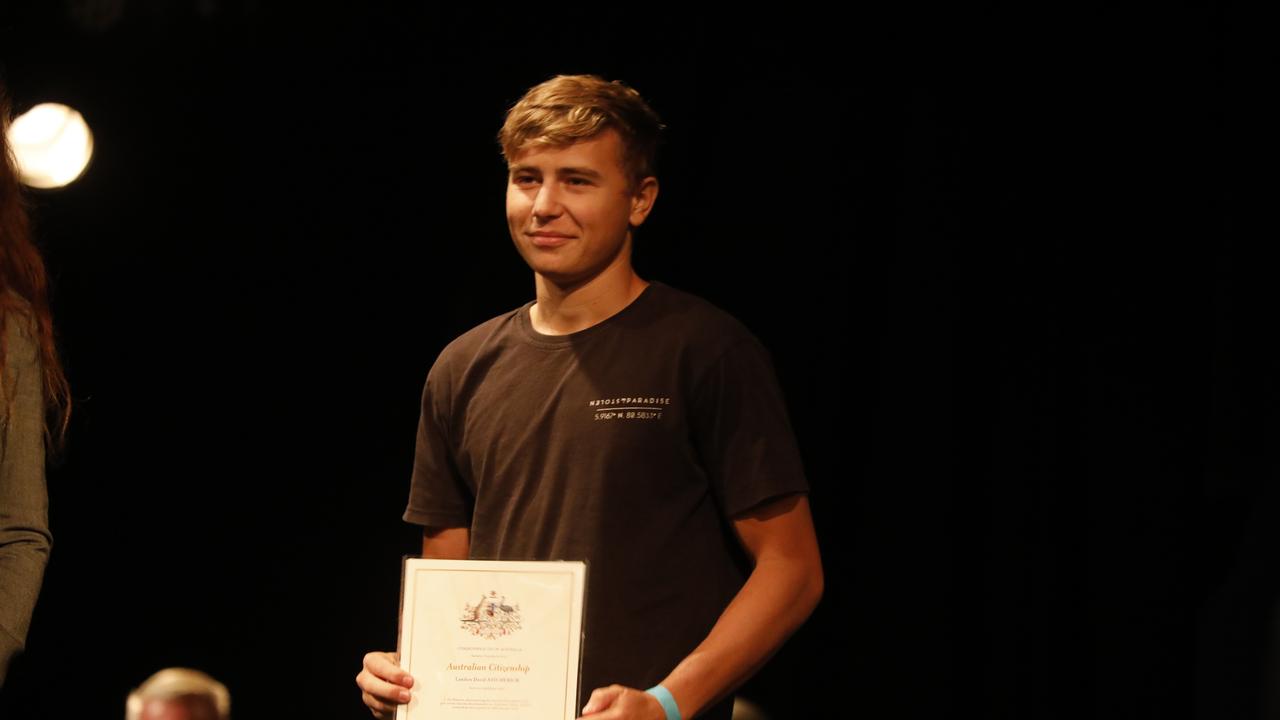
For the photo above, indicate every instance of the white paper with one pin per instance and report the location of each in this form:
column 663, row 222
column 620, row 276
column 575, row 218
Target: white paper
column 492, row 640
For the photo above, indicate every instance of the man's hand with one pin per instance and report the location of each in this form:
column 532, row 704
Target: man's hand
column 383, row 683
column 623, row 703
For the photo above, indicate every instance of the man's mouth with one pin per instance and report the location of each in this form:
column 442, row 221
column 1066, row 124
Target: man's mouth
column 543, row 238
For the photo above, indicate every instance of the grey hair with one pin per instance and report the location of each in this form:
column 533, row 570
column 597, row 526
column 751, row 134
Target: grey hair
column 174, row 683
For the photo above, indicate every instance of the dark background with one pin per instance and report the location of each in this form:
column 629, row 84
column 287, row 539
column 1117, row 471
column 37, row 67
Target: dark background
column 1015, row 270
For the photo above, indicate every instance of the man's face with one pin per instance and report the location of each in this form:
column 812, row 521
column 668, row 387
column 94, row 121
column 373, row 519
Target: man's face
column 570, row 209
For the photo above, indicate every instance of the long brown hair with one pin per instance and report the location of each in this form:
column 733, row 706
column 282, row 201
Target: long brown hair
column 24, row 290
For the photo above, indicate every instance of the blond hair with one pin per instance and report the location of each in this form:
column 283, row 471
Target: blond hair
column 175, row 683
column 570, row 108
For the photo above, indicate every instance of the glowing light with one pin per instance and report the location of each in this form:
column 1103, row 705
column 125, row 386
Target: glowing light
column 52, row 145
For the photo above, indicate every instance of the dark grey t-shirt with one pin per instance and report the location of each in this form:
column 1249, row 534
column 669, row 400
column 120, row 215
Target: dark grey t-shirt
column 629, row 445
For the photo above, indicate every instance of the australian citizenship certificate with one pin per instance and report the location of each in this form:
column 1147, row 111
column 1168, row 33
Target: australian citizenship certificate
column 492, row 639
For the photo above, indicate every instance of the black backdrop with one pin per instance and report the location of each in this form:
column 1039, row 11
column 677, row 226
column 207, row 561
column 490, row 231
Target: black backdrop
column 1015, row 271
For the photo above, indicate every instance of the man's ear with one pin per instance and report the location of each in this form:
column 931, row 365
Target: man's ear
column 642, row 200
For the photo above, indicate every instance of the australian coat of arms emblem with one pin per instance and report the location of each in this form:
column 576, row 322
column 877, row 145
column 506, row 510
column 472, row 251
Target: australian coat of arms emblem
column 491, row 617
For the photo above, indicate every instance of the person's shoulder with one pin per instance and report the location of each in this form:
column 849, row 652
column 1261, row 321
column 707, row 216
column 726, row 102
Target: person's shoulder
column 678, row 310
column 19, row 323
column 19, row 348
column 14, row 305
column 494, row 332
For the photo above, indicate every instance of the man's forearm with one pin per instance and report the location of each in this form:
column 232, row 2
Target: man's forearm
column 778, row 597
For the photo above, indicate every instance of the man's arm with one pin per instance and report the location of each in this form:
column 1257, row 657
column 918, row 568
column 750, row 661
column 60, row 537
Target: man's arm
column 382, row 683
column 782, row 590
column 446, row 543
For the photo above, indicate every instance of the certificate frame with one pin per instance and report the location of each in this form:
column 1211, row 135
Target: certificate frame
column 492, row 639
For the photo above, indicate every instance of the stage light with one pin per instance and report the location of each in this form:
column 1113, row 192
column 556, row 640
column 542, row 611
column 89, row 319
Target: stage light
column 52, row 145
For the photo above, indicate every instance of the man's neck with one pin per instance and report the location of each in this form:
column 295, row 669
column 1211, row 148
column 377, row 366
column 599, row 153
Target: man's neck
column 562, row 310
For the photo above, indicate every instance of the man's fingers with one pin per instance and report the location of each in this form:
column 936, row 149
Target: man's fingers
column 618, row 702
column 602, row 698
column 379, row 709
column 384, row 683
column 381, row 689
column 386, row 666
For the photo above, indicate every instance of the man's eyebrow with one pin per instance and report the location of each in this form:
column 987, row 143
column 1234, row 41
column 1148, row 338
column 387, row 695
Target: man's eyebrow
column 578, row 171
column 583, row 171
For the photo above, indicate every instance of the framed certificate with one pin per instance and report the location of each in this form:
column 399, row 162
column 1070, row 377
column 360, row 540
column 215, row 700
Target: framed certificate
column 491, row 639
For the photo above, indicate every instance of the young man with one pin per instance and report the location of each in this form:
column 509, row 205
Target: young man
column 615, row 421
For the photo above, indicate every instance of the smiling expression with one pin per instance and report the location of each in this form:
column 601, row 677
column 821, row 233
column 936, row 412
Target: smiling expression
column 571, row 209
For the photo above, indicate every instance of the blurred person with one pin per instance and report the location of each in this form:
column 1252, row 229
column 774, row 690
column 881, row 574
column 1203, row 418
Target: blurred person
column 744, row 709
column 34, row 409
column 179, row 694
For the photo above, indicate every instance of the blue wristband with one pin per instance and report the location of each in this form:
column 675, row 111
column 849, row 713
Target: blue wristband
column 667, row 702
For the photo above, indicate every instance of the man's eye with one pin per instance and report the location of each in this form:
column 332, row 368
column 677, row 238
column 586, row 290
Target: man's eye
column 524, row 179
column 578, row 181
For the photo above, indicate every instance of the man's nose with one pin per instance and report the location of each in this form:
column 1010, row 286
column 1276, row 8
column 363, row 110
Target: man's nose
column 547, row 202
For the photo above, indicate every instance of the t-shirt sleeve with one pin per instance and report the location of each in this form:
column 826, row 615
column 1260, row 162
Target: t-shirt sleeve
column 438, row 494
column 742, row 433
